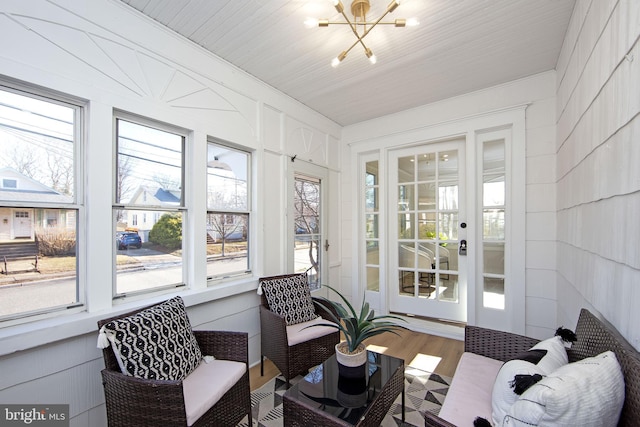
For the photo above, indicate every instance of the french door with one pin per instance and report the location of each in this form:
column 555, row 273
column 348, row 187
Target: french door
column 427, row 252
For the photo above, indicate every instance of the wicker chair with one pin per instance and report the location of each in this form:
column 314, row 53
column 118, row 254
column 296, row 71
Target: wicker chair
column 296, row 359
column 139, row 402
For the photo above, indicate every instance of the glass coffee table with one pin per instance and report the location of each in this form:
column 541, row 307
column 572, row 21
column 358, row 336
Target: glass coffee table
column 324, row 397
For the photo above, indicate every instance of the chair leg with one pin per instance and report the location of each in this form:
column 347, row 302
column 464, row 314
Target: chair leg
column 261, row 365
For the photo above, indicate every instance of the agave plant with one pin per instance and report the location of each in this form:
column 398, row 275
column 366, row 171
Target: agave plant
column 357, row 327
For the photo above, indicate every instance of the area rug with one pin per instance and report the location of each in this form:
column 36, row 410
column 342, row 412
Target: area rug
column 424, row 391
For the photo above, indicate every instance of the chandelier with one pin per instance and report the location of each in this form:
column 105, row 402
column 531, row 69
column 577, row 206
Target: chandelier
column 359, row 25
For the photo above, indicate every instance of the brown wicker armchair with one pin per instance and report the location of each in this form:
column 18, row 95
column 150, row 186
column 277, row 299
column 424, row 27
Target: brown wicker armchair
column 132, row 401
column 291, row 360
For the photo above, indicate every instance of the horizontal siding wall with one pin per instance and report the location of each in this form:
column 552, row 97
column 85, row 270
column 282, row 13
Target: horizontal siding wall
column 598, row 153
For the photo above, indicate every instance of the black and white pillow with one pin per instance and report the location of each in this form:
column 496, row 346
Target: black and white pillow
column 156, row 343
column 290, row 297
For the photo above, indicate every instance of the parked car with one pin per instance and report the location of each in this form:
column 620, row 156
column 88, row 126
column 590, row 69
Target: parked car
column 127, row 239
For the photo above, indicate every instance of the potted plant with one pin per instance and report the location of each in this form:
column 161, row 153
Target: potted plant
column 351, row 354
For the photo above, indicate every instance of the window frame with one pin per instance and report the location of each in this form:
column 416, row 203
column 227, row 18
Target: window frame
column 213, row 280
column 158, row 210
column 76, row 205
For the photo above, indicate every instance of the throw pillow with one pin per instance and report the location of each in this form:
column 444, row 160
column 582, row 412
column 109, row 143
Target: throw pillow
column 157, row 343
column 589, row 392
column 542, row 359
column 290, row 297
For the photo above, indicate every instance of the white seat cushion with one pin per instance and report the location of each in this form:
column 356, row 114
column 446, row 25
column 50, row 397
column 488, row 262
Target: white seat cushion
column 469, row 395
column 204, row 386
column 300, row 332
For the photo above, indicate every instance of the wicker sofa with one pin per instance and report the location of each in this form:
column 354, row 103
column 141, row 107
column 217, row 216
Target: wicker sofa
column 594, row 336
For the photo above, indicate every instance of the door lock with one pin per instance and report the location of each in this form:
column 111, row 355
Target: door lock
column 463, row 247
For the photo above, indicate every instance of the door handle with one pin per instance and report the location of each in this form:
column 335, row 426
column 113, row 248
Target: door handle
column 462, row 250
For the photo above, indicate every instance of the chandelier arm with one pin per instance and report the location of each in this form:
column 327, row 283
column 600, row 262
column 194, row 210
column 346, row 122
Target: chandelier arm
column 375, row 23
column 355, row 32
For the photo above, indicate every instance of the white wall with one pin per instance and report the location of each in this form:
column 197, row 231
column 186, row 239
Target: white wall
column 598, row 158
column 111, row 57
column 455, row 114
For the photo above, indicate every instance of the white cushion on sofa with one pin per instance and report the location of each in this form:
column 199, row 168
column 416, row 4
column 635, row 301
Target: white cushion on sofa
column 204, row 386
column 300, row 332
column 503, row 395
column 469, row 395
column 587, row 393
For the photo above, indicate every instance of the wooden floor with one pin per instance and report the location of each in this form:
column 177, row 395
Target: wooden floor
column 422, row 351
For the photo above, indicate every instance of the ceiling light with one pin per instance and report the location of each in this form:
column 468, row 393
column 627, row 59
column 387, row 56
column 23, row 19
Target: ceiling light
column 359, row 25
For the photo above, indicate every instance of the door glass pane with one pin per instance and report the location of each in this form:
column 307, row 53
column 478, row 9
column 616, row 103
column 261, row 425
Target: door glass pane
column 373, row 252
column 493, row 224
column 427, row 167
column 493, row 257
column 371, row 226
column 448, row 287
column 427, row 225
column 405, row 282
column 405, row 224
column 373, row 279
column 406, row 197
column 371, row 199
column 448, row 165
column 426, row 196
column 493, row 156
column 493, row 190
column 406, row 169
column 307, row 228
column 493, row 295
column 448, row 226
column 406, row 255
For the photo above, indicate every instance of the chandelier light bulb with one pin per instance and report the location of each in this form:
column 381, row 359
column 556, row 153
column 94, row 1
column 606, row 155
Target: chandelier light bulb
column 413, row 22
column 338, row 59
column 311, row 22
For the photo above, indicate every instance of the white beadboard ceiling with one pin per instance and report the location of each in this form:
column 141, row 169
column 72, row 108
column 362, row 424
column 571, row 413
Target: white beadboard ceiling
column 460, row 46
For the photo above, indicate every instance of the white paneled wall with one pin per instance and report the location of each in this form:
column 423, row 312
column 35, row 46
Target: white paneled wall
column 539, row 93
column 598, row 153
column 114, row 58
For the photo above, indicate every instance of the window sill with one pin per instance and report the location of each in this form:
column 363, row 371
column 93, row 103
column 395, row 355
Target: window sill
column 63, row 325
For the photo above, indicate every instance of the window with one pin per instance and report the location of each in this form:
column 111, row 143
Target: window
column 228, row 211
column 148, row 180
column 9, row 183
column 39, row 201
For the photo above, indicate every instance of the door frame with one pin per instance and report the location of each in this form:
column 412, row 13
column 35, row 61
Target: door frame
column 322, row 173
column 382, row 140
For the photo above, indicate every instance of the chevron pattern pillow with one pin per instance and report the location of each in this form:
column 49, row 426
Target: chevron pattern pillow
column 156, row 343
column 290, row 297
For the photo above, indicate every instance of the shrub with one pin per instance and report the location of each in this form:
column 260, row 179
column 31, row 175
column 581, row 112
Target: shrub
column 167, row 231
column 56, row 241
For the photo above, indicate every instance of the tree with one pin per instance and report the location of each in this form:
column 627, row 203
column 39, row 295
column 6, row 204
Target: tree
column 224, row 225
column 167, row 231
column 307, row 212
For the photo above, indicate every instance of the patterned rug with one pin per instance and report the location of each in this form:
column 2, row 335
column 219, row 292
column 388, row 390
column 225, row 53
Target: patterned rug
column 424, row 391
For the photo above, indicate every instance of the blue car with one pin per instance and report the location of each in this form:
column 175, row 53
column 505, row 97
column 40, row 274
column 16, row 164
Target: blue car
column 125, row 240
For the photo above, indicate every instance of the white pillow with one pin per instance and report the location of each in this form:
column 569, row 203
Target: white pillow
column 503, row 395
column 587, row 393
